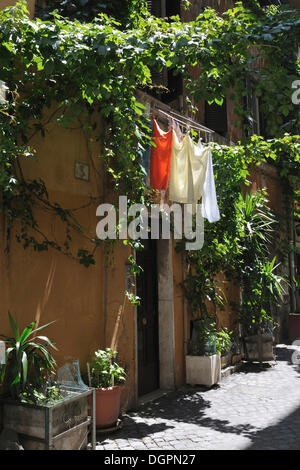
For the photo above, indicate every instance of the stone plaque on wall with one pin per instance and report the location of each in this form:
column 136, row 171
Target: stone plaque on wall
column 82, row 171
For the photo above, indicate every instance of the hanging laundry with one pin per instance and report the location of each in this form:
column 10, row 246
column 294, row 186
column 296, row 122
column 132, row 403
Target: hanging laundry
column 160, row 160
column 210, row 209
column 180, row 172
column 145, row 160
column 177, row 129
column 191, row 175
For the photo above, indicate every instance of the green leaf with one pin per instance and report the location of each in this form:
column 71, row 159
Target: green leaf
column 47, row 340
column 42, row 327
column 25, row 367
column 14, row 327
column 17, row 379
column 27, row 332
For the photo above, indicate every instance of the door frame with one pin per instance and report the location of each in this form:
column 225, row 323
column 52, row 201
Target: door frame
column 166, row 324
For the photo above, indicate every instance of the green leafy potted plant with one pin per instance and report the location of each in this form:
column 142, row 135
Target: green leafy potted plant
column 107, row 377
column 207, row 344
column 223, row 346
column 261, row 285
column 45, row 415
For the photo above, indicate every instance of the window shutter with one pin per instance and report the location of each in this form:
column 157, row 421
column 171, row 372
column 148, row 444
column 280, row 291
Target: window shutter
column 265, row 3
column 172, row 8
column 160, row 78
column 216, row 117
column 155, row 8
column 161, row 8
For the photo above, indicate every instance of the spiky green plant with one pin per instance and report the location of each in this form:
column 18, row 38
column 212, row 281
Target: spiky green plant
column 260, row 281
column 28, row 358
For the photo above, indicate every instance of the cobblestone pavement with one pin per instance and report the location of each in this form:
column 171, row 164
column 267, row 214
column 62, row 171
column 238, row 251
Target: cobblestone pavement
column 256, row 408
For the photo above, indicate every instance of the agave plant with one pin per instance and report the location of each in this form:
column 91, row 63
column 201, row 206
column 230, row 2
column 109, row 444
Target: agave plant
column 261, row 284
column 256, row 222
column 27, row 357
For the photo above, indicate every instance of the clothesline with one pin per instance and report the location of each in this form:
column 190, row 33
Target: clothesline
column 193, row 123
column 189, row 123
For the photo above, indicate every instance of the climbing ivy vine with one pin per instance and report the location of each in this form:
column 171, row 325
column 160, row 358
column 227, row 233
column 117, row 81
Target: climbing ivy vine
column 95, row 67
column 226, row 256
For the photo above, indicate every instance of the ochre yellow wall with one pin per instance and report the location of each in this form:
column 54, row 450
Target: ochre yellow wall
column 47, row 285
column 9, row 3
column 119, row 321
column 88, row 304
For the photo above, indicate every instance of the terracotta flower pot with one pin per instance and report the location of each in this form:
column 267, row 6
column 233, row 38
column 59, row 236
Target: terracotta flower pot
column 108, row 406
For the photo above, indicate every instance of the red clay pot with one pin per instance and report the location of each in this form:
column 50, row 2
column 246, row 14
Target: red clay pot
column 108, row 405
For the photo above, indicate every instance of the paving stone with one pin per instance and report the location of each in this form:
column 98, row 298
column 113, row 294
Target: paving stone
column 255, row 408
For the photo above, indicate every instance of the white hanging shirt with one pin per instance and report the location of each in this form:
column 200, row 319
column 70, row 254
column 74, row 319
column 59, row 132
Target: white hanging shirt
column 191, row 176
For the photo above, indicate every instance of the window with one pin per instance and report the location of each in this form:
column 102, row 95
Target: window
column 216, row 117
column 172, row 8
column 164, row 8
column 252, row 106
column 157, row 8
column 265, row 3
column 82, row 10
column 166, row 78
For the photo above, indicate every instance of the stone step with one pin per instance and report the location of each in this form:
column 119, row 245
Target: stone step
column 287, row 352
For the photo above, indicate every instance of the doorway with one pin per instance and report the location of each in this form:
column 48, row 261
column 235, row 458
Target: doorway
column 147, row 319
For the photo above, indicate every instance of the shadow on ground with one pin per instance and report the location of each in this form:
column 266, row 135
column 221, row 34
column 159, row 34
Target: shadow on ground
column 190, row 406
column 284, row 435
column 187, row 407
column 254, row 367
column 132, row 430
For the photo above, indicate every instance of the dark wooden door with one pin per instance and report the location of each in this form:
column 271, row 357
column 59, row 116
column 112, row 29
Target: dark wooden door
column 147, row 321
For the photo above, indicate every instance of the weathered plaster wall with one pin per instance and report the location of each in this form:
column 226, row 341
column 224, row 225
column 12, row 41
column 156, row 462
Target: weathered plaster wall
column 8, row 3
column 49, row 286
column 119, row 321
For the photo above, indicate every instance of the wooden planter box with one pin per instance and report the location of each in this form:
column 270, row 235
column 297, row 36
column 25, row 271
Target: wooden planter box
column 226, row 360
column 294, row 326
column 203, row 370
column 259, row 348
column 60, row 426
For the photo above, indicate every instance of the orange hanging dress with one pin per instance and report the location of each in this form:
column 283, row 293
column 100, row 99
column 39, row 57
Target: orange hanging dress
column 160, row 161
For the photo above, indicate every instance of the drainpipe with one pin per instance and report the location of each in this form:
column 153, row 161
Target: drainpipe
column 292, row 263
column 185, row 318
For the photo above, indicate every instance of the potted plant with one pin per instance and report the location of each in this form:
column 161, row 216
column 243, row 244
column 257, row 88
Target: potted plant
column 261, row 285
column 107, row 377
column 45, row 415
column 203, row 361
column 224, row 345
column 201, row 288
